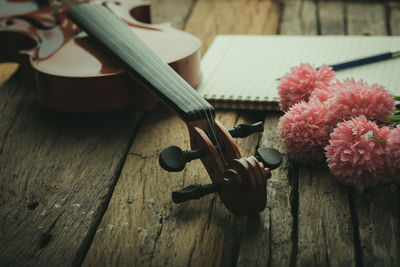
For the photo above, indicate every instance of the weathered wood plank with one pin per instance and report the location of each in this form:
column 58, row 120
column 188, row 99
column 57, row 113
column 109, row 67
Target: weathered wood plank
column 267, row 238
column 158, row 232
column 143, row 227
column 258, row 246
column 57, row 173
column 394, row 15
column 299, row 17
column 257, row 243
column 175, row 12
column 232, row 17
column 377, row 210
column 324, row 225
column 331, row 18
column 378, row 218
column 325, row 222
column 366, row 19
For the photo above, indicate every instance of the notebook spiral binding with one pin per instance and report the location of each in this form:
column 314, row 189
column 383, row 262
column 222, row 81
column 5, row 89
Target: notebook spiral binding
column 224, row 102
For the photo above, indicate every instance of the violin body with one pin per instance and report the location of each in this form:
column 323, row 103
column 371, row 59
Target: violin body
column 73, row 72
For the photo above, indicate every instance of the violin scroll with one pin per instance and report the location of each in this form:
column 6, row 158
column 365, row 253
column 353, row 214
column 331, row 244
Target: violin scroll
column 239, row 181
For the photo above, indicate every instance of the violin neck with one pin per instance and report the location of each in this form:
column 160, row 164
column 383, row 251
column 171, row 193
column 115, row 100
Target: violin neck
column 100, row 23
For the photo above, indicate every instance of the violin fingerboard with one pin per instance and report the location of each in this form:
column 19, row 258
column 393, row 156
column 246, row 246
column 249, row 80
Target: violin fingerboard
column 99, row 22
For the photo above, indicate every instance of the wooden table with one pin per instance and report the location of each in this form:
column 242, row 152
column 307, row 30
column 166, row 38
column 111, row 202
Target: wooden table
column 86, row 189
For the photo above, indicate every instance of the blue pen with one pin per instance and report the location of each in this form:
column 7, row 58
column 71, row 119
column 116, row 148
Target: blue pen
column 366, row 60
column 363, row 61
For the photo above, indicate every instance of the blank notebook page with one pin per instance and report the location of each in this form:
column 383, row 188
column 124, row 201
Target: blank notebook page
column 245, row 68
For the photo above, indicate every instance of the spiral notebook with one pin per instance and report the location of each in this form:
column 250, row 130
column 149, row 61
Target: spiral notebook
column 241, row 71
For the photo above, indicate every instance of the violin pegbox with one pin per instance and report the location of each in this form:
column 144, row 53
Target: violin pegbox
column 240, row 182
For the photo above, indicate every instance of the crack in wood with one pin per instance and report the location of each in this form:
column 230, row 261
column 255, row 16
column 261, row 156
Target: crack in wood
column 7, row 132
column 210, row 211
column 318, row 17
column 398, row 214
column 46, row 237
column 191, row 253
column 44, row 240
column 269, row 263
column 294, row 205
column 141, row 156
column 158, row 234
column 325, row 242
column 32, row 205
column 237, row 242
column 356, row 233
column 345, row 20
column 387, row 18
column 300, row 15
column 280, row 6
column 88, row 240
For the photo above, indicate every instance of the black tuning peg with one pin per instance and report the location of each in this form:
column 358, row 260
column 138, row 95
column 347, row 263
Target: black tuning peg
column 173, row 159
column 244, row 130
column 270, row 157
column 195, row 192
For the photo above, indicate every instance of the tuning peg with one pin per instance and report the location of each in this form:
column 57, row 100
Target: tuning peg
column 195, row 192
column 270, row 157
column 173, row 159
column 244, row 130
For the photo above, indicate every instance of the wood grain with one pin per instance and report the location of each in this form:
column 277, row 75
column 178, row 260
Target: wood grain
column 299, row 17
column 158, row 232
column 325, row 222
column 394, row 17
column 57, row 173
column 210, row 18
column 267, row 238
column 377, row 209
column 378, row 218
column 331, row 18
column 174, row 12
column 257, row 246
column 324, row 225
column 89, row 185
column 366, row 19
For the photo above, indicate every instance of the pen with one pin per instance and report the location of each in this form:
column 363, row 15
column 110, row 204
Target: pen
column 365, row 60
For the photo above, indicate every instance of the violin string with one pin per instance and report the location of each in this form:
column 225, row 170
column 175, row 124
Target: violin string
column 104, row 3
column 206, row 107
column 201, row 101
column 182, row 92
column 128, row 55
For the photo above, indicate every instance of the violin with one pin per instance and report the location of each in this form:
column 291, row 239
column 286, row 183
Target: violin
column 239, row 181
column 71, row 72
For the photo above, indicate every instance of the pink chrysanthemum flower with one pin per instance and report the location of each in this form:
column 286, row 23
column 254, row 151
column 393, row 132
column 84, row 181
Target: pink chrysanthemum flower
column 353, row 99
column 353, row 155
column 304, row 131
column 300, row 82
column 322, row 93
column 393, row 152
